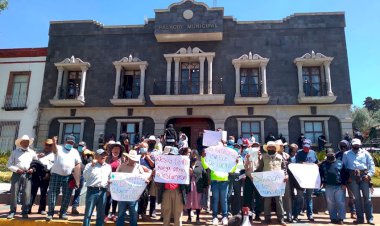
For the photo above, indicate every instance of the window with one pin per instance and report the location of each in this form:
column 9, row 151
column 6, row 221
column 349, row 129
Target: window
column 249, row 82
column 130, row 85
column 8, row 134
column 73, row 127
column 313, row 130
column 132, row 129
column 71, row 89
column 251, row 128
column 190, row 75
column 312, row 81
column 17, row 92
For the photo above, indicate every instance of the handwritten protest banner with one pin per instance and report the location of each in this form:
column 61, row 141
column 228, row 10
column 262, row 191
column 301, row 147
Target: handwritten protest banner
column 307, row 175
column 172, row 169
column 211, row 138
column 269, row 183
column 127, row 186
column 220, row 158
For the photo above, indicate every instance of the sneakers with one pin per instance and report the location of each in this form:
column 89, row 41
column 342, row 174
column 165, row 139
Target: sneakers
column 282, row 222
column 215, row 221
column 310, row 218
column 74, row 211
column 63, row 217
column 371, row 222
column 49, row 218
column 225, row 221
column 42, row 212
column 11, row 216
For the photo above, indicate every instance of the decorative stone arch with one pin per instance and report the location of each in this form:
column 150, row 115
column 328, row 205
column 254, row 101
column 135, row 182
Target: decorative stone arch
column 251, row 61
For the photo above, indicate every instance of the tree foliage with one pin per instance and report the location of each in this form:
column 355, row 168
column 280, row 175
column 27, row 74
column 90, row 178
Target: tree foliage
column 3, row 4
column 362, row 119
column 372, row 105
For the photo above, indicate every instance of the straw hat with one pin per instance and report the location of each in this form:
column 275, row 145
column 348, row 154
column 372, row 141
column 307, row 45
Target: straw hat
column 271, row 144
column 133, row 155
column 279, row 142
column 24, row 137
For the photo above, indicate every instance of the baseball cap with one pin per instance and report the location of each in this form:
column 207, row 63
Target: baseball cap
column 82, row 143
column 306, row 143
column 356, row 142
column 100, row 151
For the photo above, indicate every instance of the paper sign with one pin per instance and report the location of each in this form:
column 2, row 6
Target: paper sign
column 212, row 138
column 254, row 156
column 127, row 186
column 220, row 158
column 172, row 169
column 269, row 183
column 307, row 175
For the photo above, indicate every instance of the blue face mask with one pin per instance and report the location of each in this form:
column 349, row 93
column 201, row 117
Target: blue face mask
column 230, row 142
column 245, row 151
column 80, row 148
column 68, row 147
column 143, row 150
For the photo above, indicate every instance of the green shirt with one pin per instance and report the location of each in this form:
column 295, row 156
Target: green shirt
column 217, row 176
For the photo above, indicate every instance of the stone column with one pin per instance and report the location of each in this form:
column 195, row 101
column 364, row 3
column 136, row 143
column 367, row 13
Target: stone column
column 168, row 74
column 263, row 66
column 328, row 78
column 237, row 83
column 142, row 81
column 82, row 83
column 176, row 75
column 301, row 92
column 209, row 60
column 59, row 83
column 117, row 81
column 202, row 75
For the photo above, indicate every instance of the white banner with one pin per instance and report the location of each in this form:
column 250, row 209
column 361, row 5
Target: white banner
column 269, row 183
column 172, row 169
column 212, row 138
column 221, row 159
column 306, row 174
column 127, row 186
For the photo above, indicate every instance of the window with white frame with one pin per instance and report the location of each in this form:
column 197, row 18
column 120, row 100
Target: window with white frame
column 74, row 127
column 251, row 127
column 8, row 134
column 313, row 127
column 131, row 127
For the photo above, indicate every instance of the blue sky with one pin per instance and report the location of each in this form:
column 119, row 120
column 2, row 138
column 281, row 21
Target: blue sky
column 26, row 24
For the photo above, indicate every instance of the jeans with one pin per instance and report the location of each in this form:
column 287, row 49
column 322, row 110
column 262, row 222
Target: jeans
column 133, row 208
column 219, row 191
column 336, row 202
column 16, row 181
column 252, row 197
column 95, row 197
column 76, row 198
column 308, row 201
column 362, row 186
column 234, row 201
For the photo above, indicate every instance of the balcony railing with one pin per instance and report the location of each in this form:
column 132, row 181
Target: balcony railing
column 125, row 93
column 15, row 102
column 250, row 90
column 68, row 93
column 186, row 87
column 315, row 89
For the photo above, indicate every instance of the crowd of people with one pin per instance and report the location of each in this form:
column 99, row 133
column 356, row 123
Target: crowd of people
column 68, row 167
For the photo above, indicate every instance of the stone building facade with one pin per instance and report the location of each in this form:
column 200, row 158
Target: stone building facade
column 197, row 68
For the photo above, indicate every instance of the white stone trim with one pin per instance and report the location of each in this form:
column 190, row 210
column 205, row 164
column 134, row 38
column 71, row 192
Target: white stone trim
column 65, row 121
column 316, row 100
column 261, row 120
column 205, row 99
column 325, row 121
column 67, row 103
column 128, row 102
column 251, row 100
column 119, row 121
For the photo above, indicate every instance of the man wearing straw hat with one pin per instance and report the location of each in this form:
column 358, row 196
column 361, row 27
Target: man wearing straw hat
column 19, row 163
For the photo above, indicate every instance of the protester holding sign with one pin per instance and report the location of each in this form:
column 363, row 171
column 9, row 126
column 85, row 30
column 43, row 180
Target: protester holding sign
column 305, row 155
column 131, row 165
column 272, row 161
column 222, row 159
column 96, row 175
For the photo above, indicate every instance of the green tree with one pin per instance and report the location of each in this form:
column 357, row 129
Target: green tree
column 372, row 105
column 3, row 4
column 362, row 119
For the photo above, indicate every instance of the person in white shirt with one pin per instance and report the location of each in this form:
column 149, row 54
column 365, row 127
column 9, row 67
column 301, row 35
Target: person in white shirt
column 96, row 175
column 19, row 163
column 66, row 162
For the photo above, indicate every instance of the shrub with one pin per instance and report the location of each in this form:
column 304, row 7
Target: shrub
column 4, row 158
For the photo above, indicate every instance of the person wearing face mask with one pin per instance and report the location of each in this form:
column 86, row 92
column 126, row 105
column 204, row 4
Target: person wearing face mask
column 308, row 156
column 67, row 163
column 333, row 178
column 272, row 161
column 361, row 168
column 114, row 159
column 344, row 146
column 231, row 142
column 19, row 163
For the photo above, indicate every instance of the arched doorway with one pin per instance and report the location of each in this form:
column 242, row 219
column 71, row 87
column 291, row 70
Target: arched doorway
column 192, row 127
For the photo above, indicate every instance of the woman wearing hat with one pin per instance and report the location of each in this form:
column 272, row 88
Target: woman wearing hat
column 19, row 163
column 115, row 159
column 131, row 165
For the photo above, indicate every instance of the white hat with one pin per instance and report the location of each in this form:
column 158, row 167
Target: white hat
column 356, row 142
column 152, row 138
column 273, row 144
column 24, row 137
column 279, row 142
column 133, row 155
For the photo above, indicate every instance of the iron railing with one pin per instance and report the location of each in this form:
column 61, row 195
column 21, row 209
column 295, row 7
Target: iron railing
column 15, row 102
column 125, row 93
column 68, row 92
column 186, row 87
column 315, row 89
column 250, row 90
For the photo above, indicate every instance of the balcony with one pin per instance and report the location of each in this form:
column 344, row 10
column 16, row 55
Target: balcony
column 316, row 93
column 15, row 103
column 68, row 97
column 187, row 93
column 251, row 94
column 129, row 97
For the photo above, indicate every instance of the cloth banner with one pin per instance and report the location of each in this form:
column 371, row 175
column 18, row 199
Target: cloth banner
column 269, row 183
column 307, row 175
column 212, row 138
column 220, row 158
column 127, row 186
column 172, row 169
